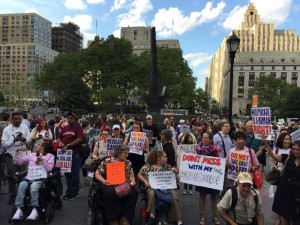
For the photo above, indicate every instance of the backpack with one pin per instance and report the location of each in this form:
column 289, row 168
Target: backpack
column 234, row 200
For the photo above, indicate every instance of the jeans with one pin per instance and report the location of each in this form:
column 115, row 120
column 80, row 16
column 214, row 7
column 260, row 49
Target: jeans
column 34, row 193
column 73, row 178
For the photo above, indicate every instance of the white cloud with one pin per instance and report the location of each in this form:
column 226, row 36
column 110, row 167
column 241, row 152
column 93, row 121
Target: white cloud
column 95, row 1
column 84, row 21
column 166, row 20
column 196, row 59
column 88, row 37
column 116, row 33
column 118, row 4
column 74, row 4
column 134, row 17
column 266, row 9
column 31, row 11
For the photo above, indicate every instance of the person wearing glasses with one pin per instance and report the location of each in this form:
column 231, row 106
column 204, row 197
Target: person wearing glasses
column 287, row 196
column 247, row 208
column 70, row 138
column 100, row 149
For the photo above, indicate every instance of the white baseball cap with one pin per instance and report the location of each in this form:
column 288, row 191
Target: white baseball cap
column 116, row 126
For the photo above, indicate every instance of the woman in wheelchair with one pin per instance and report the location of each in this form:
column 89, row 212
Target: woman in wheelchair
column 157, row 161
column 40, row 158
column 118, row 211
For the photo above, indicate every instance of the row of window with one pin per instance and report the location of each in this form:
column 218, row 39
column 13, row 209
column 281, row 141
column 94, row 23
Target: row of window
column 268, row 67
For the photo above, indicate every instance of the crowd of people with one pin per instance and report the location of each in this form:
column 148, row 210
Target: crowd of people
column 29, row 141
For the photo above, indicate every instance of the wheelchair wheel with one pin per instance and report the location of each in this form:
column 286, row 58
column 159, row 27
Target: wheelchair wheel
column 93, row 217
column 13, row 211
column 59, row 203
column 49, row 213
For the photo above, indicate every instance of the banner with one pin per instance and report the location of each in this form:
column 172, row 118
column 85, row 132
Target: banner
column 64, row 160
column 184, row 128
column 295, row 135
column 240, row 163
column 186, row 149
column 115, row 173
column 200, row 170
column 162, row 180
column 36, row 172
column 112, row 143
column 262, row 123
column 137, row 139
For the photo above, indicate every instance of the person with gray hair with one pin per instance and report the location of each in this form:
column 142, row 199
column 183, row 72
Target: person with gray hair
column 119, row 211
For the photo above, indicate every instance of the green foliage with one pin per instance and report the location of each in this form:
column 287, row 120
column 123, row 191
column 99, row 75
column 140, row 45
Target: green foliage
column 291, row 106
column 2, row 99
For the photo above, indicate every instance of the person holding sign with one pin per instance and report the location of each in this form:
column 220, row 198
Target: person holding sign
column 157, row 162
column 100, row 149
column 43, row 162
column 208, row 148
column 138, row 160
column 117, row 210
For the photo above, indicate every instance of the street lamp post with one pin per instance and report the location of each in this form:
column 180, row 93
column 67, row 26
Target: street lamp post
column 233, row 43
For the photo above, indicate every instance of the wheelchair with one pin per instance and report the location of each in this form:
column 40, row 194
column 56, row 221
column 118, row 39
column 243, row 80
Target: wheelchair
column 49, row 197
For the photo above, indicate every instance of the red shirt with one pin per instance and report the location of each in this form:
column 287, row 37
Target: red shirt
column 70, row 134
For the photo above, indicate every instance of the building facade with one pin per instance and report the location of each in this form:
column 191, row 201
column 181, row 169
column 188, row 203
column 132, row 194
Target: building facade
column 140, row 37
column 258, row 43
column 66, row 38
column 24, row 48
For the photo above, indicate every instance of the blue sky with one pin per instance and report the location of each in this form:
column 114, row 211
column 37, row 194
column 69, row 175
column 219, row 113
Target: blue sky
column 199, row 25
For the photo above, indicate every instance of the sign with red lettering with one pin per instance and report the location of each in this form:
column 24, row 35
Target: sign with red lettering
column 200, row 170
column 186, row 149
column 262, row 123
column 240, row 163
column 137, row 140
column 64, row 160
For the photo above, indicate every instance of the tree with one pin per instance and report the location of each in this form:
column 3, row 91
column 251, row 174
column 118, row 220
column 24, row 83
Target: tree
column 201, row 100
column 271, row 93
column 290, row 107
column 2, row 98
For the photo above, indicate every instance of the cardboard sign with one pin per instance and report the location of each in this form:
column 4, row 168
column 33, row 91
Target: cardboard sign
column 137, row 139
column 162, row 180
column 186, row 149
column 240, row 163
column 200, row 170
column 115, row 173
column 262, row 123
column 295, row 135
column 184, row 128
column 36, row 172
column 112, row 143
column 64, row 160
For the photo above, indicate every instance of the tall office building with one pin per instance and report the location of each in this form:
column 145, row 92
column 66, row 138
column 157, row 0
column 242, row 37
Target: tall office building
column 140, row 37
column 263, row 51
column 66, row 38
column 24, row 48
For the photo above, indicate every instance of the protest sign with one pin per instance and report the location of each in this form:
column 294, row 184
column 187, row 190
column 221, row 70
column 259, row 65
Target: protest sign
column 184, row 128
column 111, row 143
column 262, row 123
column 115, row 173
column 281, row 121
column 295, row 135
column 149, row 133
column 240, row 163
column 137, row 139
column 162, row 180
column 64, row 160
column 200, row 170
column 36, row 172
column 186, row 149
column 159, row 146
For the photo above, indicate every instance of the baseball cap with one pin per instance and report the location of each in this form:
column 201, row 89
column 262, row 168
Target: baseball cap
column 116, row 126
column 72, row 114
column 244, row 177
column 149, row 117
column 181, row 121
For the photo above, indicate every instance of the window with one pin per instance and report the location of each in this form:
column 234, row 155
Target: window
column 283, row 75
column 262, row 68
column 273, row 67
column 294, row 78
column 283, row 68
column 134, row 34
column 251, row 79
column 252, row 67
column 242, row 68
column 262, row 74
column 295, row 67
column 241, row 79
column 282, row 60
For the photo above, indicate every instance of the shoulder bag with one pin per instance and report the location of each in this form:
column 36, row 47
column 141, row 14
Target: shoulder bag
column 273, row 177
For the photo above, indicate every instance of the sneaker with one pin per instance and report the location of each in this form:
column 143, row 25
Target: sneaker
column 66, row 197
column 73, row 197
column 191, row 192
column 33, row 215
column 18, row 214
column 11, row 200
column 184, row 192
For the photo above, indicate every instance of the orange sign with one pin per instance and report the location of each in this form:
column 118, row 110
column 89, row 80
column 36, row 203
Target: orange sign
column 254, row 100
column 115, row 173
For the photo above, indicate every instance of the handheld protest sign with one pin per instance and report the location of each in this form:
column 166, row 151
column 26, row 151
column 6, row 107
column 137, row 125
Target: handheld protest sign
column 184, row 128
column 36, row 172
column 115, row 173
column 111, row 144
column 137, row 139
column 64, row 160
column 262, row 122
column 162, row 180
column 240, row 163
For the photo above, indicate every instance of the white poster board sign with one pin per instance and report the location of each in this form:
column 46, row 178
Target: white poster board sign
column 137, row 139
column 64, row 160
column 240, row 163
column 186, row 149
column 184, row 128
column 36, row 172
column 295, row 135
column 162, row 180
column 262, row 122
column 200, row 170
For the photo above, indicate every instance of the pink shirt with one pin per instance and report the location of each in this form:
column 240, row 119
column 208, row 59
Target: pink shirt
column 30, row 159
